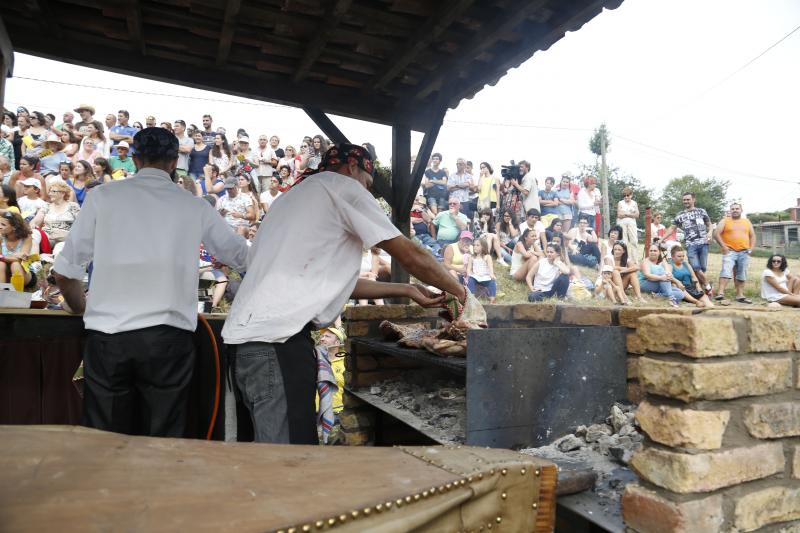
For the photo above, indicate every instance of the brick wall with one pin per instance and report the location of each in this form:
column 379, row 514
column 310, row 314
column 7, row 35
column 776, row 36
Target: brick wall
column 721, row 410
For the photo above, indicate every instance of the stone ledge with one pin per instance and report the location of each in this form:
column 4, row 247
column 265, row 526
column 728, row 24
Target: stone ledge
column 705, row 472
column 388, row 312
column 723, row 380
column 539, row 312
column 678, row 427
column 694, row 336
column 767, row 506
column 796, row 462
column 629, row 316
column 767, row 332
column 646, row 511
column 586, row 316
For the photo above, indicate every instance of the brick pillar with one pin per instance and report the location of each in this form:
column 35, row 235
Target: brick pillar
column 721, row 411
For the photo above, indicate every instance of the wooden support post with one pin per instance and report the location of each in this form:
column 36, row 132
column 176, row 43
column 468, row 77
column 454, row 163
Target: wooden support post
column 6, row 60
column 325, row 124
column 401, row 176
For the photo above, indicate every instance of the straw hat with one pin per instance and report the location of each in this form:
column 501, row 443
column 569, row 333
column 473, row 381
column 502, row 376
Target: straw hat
column 87, row 107
column 53, row 139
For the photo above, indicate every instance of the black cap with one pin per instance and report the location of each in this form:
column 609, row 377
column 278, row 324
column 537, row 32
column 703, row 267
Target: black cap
column 155, row 144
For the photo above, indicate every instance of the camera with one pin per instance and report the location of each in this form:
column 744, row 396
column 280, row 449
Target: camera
column 511, row 171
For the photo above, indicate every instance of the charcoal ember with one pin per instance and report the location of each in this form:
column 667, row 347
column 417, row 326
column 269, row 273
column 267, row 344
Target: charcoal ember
column 569, row 443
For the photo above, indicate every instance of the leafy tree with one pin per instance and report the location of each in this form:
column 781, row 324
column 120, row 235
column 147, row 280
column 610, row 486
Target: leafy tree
column 710, row 194
column 594, row 141
column 775, row 216
column 644, row 196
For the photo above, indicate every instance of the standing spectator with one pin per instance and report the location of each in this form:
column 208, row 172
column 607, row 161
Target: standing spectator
column 121, row 165
column 737, row 238
column 111, row 121
column 533, row 223
column 511, row 197
column 434, row 185
column 271, row 194
column 142, row 311
column 58, row 216
column 265, row 158
column 487, row 188
column 550, row 276
column 237, row 208
column 150, row 122
column 627, row 213
column 185, row 147
column 582, row 242
column 449, row 224
column 696, row 226
column 19, row 133
column 778, row 286
column 318, row 148
column 199, row 158
column 245, row 161
column 458, row 185
column 274, row 143
column 138, row 126
column 473, row 190
column 122, row 131
column 208, row 133
column 588, row 201
column 656, row 277
column 221, row 155
column 67, row 120
column 86, row 112
column 6, row 169
column 102, row 146
column 480, row 270
column 548, row 198
column 36, row 135
column 529, row 187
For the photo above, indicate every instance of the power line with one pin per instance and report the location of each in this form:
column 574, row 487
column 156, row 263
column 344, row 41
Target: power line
column 506, row 125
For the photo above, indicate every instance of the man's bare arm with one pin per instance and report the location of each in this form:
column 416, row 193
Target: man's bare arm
column 421, row 264
column 72, row 291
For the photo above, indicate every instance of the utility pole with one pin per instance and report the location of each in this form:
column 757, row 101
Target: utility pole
column 604, row 183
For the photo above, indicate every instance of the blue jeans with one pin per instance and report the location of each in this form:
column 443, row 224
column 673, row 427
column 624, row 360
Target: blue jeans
column 698, row 256
column 738, row 259
column 662, row 288
column 430, row 243
column 490, row 285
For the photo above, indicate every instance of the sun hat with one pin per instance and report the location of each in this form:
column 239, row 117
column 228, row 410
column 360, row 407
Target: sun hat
column 31, row 182
column 87, row 107
column 607, row 268
column 244, row 140
column 53, row 139
column 336, row 331
column 123, row 144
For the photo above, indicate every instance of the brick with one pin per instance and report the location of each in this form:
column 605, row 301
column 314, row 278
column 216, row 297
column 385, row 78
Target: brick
column 356, row 420
column 586, row 316
column 796, row 463
column 365, row 362
column 634, row 392
column 351, row 402
column 634, row 343
column 695, row 336
column 721, row 380
column 498, row 312
column 633, row 367
column 767, row 332
column 357, row 328
column 703, row 472
column 356, row 438
column 540, row 312
column 629, row 316
column 648, row 512
column 767, row 506
column 678, row 427
column 773, row 420
column 377, row 312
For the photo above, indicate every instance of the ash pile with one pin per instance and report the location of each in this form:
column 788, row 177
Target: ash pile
column 606, row 448
column 437, row 402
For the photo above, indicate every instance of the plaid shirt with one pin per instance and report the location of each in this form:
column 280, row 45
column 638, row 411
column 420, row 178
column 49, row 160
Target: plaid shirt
column 7, row 149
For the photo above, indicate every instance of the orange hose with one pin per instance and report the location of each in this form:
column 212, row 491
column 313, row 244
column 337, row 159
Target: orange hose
column 215, row 351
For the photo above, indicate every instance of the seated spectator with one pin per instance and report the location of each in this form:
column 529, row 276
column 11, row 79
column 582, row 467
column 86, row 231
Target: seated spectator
column 507, row 235
column 216, row 270
column 449, row 224
column 525, row 256
column 556, row 226
column 289, row 161
column 548, row 198
column 370, row 269
column 480, row 270
column 605, row 288
column 81, row 175
column 122, row 165
column 614, row 234
column 533, row 222
column 582, row 243
column 27, row 169
column 6, row 169
column 87, row 151
column 8, row 200
column 51, row 156
column 655, row 277
column 457, row 254
column 271, row 194
column 70, row 143
column 248, row 188
column 188, row 184
column 102, row 170
column 212, row 182
column 558, row 238
column 686, row 280
column 237, row 208
column 58, row 216
column 421, row 222
column 15, row 248
column 31, row 202
column 626, row 270
column 549, row 277
column 778, row 286
column 484, row 228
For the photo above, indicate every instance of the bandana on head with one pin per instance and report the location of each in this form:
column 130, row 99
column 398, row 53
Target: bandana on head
column 339, row 155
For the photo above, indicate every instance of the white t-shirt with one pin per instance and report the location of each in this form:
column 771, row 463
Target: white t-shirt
column 267, row 198
column 545, row 276
column 768, row 292
column 28, row 207
column 239, row 204
column 305, row 259
column 537, row 228
column 586, row 201
column 529, row 184
column 183, row 158
column 268, row 154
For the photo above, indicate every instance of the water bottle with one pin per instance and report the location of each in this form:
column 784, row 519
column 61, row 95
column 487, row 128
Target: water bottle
column 18, row 281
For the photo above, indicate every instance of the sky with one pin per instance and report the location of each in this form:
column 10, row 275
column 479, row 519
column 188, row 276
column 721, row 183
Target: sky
column 684, row 86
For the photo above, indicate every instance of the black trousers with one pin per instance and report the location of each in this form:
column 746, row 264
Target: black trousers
column 137, row 382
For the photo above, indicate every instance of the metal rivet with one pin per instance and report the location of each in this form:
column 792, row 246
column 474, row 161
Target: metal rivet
column 366, row 511
column 498, row 519
column 537, row 472
column 441, row 488
column 432, row 490
column 416, row 497
column 480, row 476
column 320, row 524
column 331, row 522
column 535, row 505
column 504, row 471
column 291, row 530
column 388, row 505
column 379, row 507
column 424, row 493
column 469, row 479
column 448, row 486
column 522, row 471
column 408, row 499
column 489, row 525
column 491, row 472
column 307, row 527
column 354, row 514
column 342, row 518
column 504, row 495
column 281, row 531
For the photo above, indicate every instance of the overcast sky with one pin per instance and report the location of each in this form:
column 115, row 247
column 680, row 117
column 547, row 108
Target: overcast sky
column 665, row 75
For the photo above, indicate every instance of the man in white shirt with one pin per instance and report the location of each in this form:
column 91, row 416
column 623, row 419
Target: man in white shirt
column 271, row 194
column 185, row 146
column 141, row 311
column 304, row 266
column 266, row 159
column 530, row 189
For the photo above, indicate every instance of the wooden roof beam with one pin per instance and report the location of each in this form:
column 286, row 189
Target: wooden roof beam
column 228, row 27
column 42, row 10
column 324, row 123
column 427, row 34
column 133, row 18
column 496, row 29
column 330, row 20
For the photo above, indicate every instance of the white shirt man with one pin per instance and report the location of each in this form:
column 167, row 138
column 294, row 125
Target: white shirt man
column 185, row 146
column 530, row 188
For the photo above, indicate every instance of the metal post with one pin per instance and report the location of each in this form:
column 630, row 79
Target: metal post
column 401, row 177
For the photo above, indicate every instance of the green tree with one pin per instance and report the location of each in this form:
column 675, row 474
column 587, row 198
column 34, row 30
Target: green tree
column 710, row 194
column 775, row 216
column 644, row 196
column 594, row 141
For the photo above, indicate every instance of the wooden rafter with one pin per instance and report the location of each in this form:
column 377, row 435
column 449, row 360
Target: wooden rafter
column 133, row 18
column 325, row 124
column 426, row 35
column 500, row 26
column 330, row 20
column 228, row 27
column 42, row 10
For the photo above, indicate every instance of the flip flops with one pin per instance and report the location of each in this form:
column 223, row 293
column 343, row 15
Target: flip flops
column 744, row 300
column 719, row 298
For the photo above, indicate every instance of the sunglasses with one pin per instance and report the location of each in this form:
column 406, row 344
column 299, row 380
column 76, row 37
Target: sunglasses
column 776, row 261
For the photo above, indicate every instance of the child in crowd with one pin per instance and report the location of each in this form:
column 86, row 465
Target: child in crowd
column 606, row 288
column 480, row 270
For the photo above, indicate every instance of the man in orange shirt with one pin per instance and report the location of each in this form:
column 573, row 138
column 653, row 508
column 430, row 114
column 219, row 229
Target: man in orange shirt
column 736, row 237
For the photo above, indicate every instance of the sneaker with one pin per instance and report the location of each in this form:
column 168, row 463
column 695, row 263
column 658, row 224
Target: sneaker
column 502, row 262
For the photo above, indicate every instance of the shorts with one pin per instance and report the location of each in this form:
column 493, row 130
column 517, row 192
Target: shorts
column 740, row 260
column 698, row 256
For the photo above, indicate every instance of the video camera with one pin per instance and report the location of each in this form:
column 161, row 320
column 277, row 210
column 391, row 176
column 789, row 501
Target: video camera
column 511, row 172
